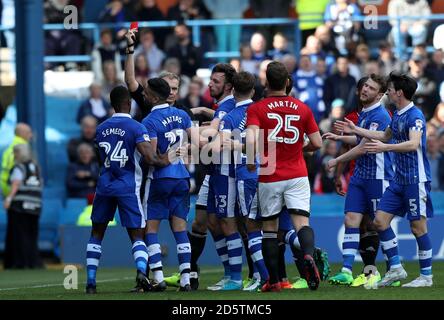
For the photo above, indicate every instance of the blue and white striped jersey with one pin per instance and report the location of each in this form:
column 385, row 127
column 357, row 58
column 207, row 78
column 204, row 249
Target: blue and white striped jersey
column 234, row 122
column 374, row 166
column 224, row 107
column 117, row 139
column 168, row 125
column 410, row 167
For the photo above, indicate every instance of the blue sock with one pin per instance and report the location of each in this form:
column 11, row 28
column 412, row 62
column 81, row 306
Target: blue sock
column 140, row 255
column 255, row 247
column 291, row 237
column 234, row 245
column 425, row 254
column 93, row 253
column 154, row 256
column 222, row 251
column 349, row 248
column 390, row 245
column 184, row 256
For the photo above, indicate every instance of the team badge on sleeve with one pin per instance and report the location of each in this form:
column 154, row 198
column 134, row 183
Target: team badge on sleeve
column 419, row 124
column 374, row 126
column 146, row 137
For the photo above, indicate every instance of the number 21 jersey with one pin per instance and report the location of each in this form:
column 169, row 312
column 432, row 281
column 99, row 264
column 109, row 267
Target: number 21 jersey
column 283, row 122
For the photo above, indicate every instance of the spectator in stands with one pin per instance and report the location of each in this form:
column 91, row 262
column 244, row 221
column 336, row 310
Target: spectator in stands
column 22, row 135
column 236, row 63
column 280, row 46
column 23, row 204
column 152, row 53
column 309, row 87
column 95, row 105
column 340, row 85
column 321, row 68
column 247, row 62
column 105, row 51
column 386, row 59
column 437, row 120
column 416, row 29
column 426, row 96
column 259, row 88
column 187, row 10
column 336, row 113
column 270, row 9
column 338, row 17
column 147, row 10
column 434, row 157
column 258, row 45
column 362, row 57
column 325, row 178
column 313, row 11
column 82, row 175
column 141, row 68
column 324, row 34
column 436, row 66
column 111, row 79
column 194, row 98
column 64, row 41
column 88, row 135
column 313, row 48
column 190, row 57
column 372, row 66
column 438, row 37
column 290, row 63
column 228, row 36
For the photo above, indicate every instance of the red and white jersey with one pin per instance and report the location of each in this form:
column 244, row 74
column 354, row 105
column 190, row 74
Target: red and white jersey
column 283, row 122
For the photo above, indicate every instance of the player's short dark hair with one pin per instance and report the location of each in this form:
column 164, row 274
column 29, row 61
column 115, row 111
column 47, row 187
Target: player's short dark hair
column 226, row 69
column 361, row 82
column 403, row 82
column 277, row 75
column 243, row 82
column 160, row 87
column 381, row 81
column 119, row 96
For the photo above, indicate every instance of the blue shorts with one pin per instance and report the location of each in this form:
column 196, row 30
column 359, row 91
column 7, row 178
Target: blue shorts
column 222, row 196
column 130, row 207
column 411, row 199
column 247, row 199
column 168, row 197
column 363, row 195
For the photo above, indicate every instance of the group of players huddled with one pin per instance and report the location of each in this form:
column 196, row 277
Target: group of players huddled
column 256, row 193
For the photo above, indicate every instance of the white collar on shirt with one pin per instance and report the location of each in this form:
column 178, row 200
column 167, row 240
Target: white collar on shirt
column 120, row 114
column 225, row 99
column 372, row 107
column 244, row 102
column 160, row 106
column 407, row 107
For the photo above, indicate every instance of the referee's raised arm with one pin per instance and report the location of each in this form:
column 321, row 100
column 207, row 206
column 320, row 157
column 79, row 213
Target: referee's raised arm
column 134, row 87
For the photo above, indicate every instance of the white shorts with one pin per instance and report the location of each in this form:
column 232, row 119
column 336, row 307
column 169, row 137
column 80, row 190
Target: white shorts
column 202, row 197
column 293, row 193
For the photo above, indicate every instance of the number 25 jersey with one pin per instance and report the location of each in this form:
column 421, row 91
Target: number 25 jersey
column 283, row 121
column 117, row 138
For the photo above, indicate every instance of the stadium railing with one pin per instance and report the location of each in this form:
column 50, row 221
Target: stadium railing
column 197, row 25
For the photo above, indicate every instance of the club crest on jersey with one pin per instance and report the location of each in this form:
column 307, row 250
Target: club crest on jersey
column 222, row 114
column 146, row 137
column 419, row 124
column 221, row 126
column 374, row 126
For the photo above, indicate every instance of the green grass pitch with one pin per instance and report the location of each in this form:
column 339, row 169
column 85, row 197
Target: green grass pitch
column 115, row 283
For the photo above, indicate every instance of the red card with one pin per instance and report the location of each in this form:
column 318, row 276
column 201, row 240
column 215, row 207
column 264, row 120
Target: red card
column 134, row 25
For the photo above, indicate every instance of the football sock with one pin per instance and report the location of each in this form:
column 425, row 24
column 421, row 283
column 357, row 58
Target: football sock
column 140, row 255
column 425, row 254
column 350, row 246
column 222, row 251
column 271, row 255
column 154, row 256
column 255, row 248
column 93, row 253
column 307, row 241
column 197, row 242
column 184, row 256
column 390, row 245
column 234, row 248
column 368, row 247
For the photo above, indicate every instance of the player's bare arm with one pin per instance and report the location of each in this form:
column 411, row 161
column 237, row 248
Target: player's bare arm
column 251, row 140
column 348, row 139
column 412, row 144
column 351, row 154
column 348, row 127
column 315, row 142
column 150, row 156
column 203, row 111
column 130, row 78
